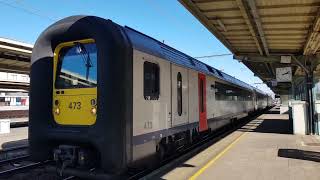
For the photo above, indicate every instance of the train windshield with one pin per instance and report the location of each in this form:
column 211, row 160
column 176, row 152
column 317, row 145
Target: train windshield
column 77, row 66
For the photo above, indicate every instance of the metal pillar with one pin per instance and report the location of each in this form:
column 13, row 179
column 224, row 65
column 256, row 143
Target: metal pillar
column 308, row 69
column 310, row 103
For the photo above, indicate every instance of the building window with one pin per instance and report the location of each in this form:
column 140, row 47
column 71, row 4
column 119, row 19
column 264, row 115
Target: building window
column 151, row 81
column 179, row 93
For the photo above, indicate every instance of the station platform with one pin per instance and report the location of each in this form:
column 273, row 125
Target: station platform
column 261, row 149
column 16, row 137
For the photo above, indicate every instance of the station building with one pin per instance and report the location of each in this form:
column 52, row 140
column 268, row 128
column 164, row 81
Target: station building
column 14, row 74
column 14, row 97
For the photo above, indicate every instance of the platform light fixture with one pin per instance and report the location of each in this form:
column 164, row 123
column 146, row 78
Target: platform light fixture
column 221, row 25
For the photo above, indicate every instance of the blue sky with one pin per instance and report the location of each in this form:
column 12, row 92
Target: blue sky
column 165, row 20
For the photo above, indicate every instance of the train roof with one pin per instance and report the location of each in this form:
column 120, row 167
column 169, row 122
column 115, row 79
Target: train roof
column 152, row 46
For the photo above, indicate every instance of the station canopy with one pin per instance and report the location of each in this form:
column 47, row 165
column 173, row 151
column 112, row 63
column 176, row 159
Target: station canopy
column 261, row 32
column 15, row 56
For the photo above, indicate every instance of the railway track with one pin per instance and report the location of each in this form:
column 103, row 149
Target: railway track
column 16, row 160
column 13, row 153
column 11, row 171
column 10, row 157
column 13, row 160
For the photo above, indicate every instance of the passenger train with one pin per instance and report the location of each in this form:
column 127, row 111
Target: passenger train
column 107, row 96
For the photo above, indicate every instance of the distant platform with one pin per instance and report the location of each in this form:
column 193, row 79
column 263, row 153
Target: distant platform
column 13, row 108
column 17, row 137
column 262, row 149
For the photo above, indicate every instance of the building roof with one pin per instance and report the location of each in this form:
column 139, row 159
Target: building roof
column 261, row 26
column 15, row 56
column 258, row 32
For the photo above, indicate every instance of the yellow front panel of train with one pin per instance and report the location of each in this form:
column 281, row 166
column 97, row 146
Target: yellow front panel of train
column 75, row 83
column 73, row 108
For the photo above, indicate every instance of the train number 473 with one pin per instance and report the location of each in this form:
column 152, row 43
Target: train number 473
column 75, row 105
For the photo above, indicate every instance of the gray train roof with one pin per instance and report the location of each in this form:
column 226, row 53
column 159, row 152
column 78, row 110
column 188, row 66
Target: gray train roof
column 152, row 46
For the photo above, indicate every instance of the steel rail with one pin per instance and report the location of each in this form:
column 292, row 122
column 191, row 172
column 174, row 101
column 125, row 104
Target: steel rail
column 16, row 170
column 15, row 159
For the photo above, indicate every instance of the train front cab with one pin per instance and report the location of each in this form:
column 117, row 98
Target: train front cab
column 75, row 95
column 80, row 100
column 75, row 83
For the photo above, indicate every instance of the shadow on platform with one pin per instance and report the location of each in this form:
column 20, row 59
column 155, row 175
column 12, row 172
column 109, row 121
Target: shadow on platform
column 186, row 165
column 272, row 112
column 299, row 154
column 278, row 126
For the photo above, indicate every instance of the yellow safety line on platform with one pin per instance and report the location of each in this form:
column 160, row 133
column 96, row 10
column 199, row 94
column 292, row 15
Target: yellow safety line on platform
column 212, row 161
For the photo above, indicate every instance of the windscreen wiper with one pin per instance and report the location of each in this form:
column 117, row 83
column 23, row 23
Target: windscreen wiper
column 85, row 56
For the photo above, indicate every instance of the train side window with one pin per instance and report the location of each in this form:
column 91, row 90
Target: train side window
column 179, row 93
column 151, row 81
column 229, row 93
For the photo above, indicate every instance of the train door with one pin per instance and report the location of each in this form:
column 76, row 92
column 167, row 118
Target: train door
column 203, row 124
column 179, row 95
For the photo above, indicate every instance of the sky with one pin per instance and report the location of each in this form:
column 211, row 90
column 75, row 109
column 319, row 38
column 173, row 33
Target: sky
column 164, row 20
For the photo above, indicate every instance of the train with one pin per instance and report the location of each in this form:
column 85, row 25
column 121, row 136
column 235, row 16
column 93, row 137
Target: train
column 107, row 96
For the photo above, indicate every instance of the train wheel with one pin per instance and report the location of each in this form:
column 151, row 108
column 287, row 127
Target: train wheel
column 161, row 151
column 232, row 123
column 171, row 145
column 188, row 137
column 195, row 135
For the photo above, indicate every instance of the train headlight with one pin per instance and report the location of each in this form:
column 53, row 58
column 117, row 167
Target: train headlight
column 57, row 111
column 93, row 111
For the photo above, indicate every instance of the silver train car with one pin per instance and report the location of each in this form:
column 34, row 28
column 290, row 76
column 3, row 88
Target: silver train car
column 107, row 96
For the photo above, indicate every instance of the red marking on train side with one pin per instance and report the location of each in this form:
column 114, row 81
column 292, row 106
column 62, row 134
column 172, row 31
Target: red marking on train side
column 203, row 124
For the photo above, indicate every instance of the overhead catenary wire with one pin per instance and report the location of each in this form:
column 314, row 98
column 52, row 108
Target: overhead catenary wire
column 176, row 22
column 229, row 54
column 28, row 10
column 214, row 55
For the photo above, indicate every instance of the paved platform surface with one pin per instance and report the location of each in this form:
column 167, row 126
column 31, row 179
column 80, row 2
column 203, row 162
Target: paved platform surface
column 261, row 150
column 19, row 120
column 15, row 122
column 16, row 137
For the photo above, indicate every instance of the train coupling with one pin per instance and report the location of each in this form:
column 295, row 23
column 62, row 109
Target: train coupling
column 73, row 156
